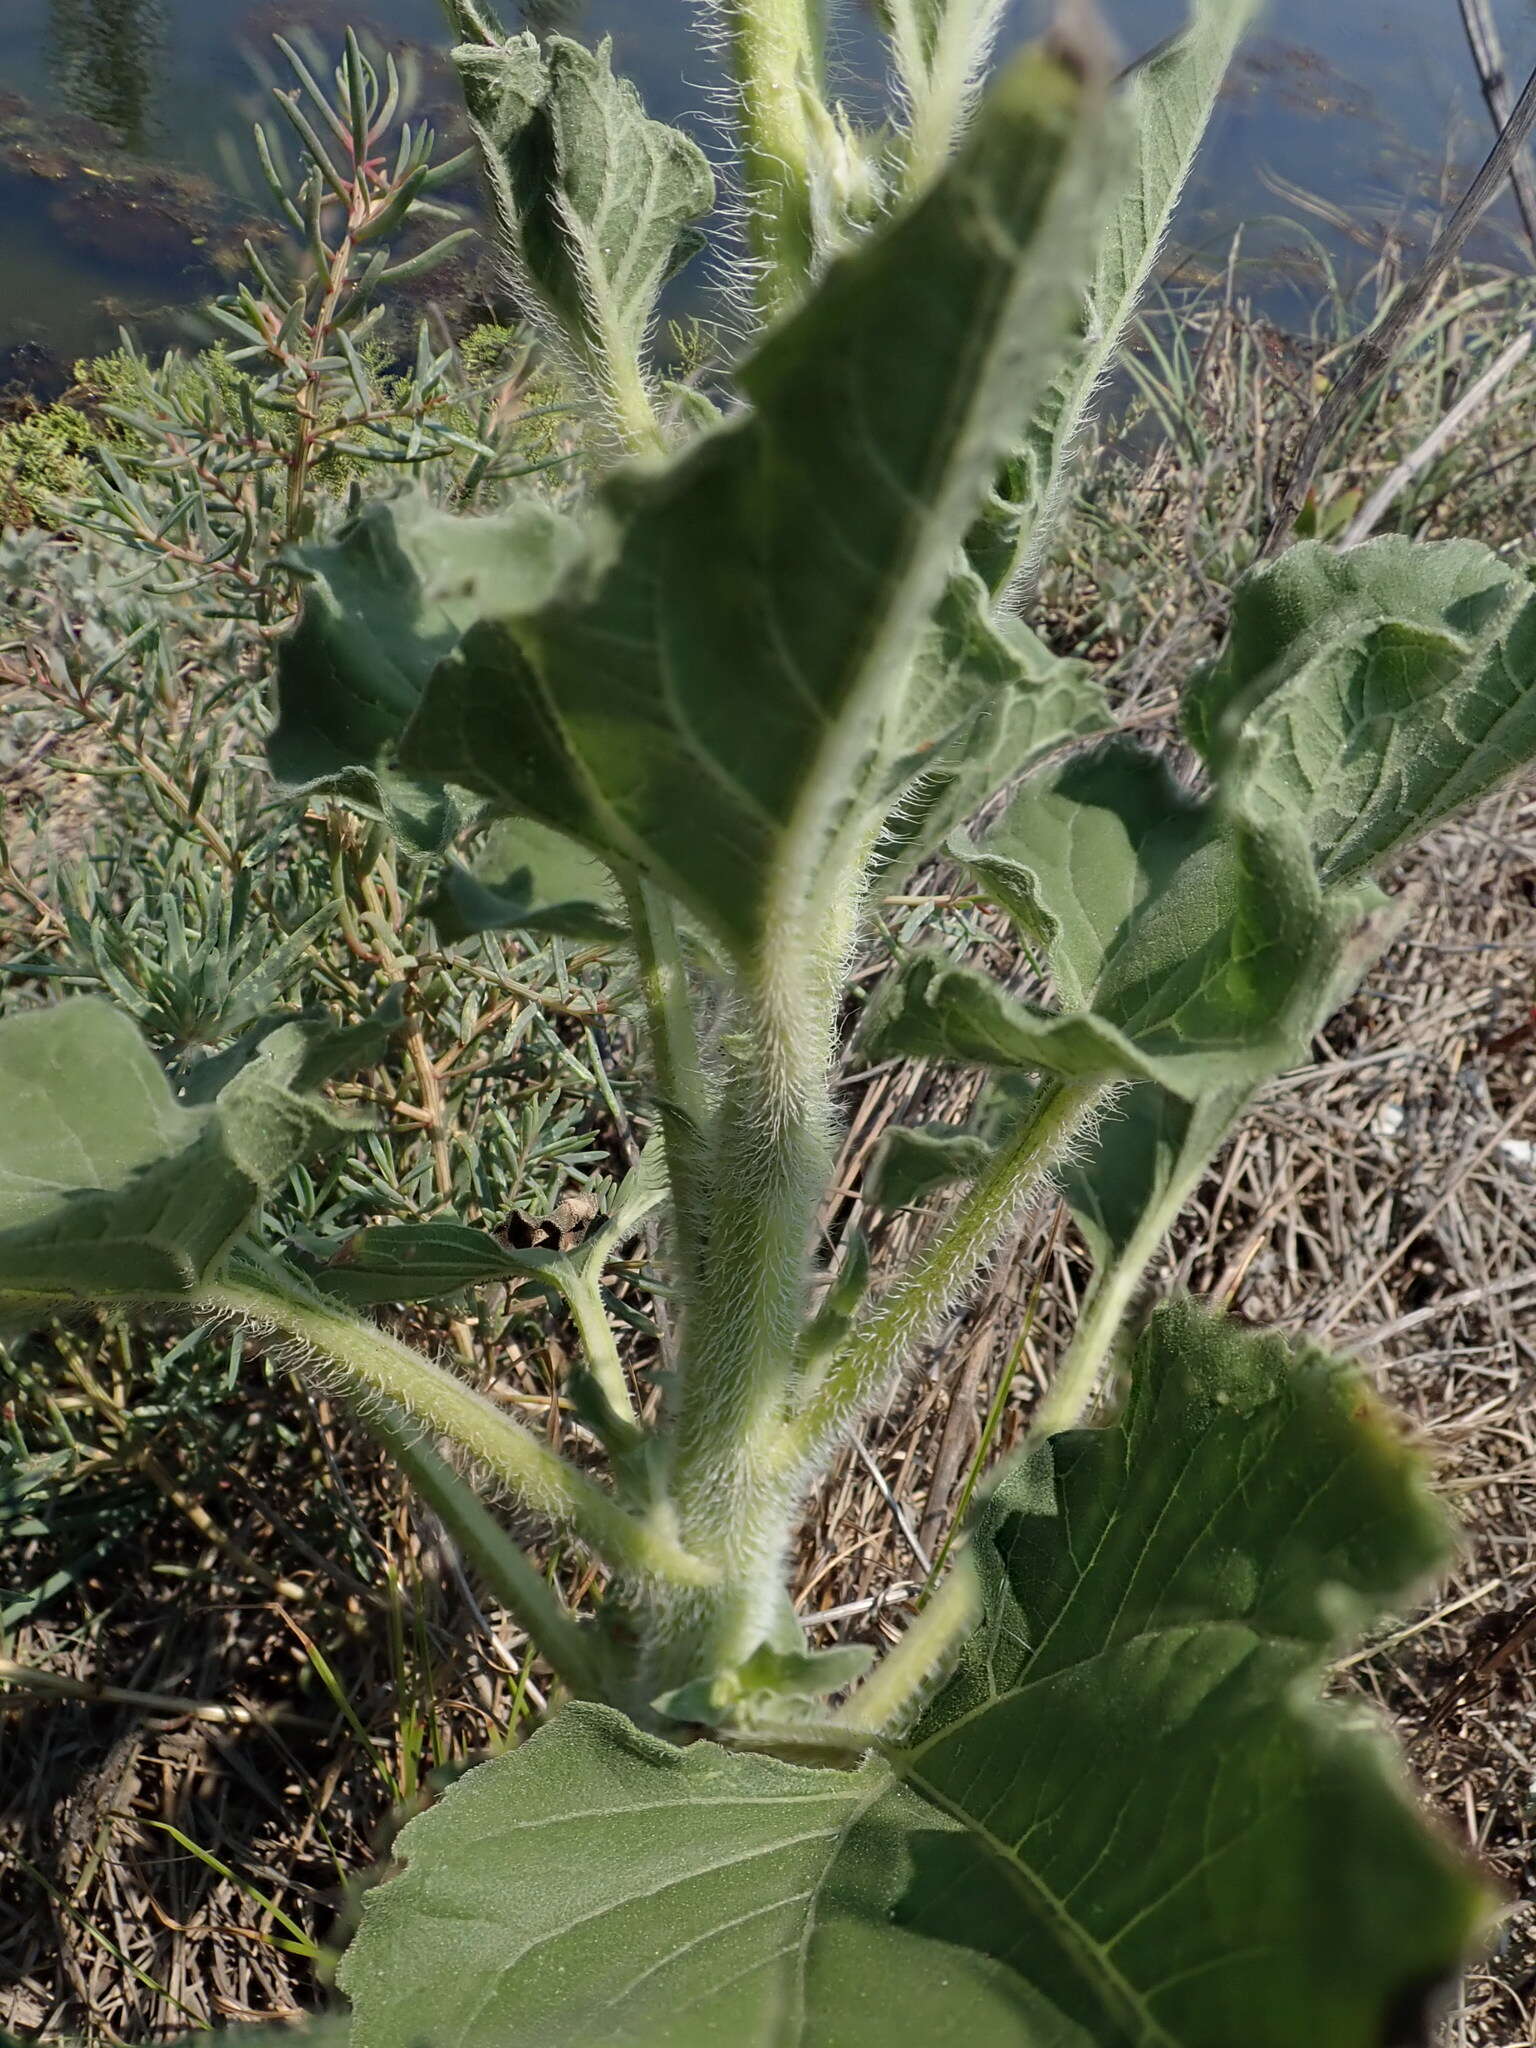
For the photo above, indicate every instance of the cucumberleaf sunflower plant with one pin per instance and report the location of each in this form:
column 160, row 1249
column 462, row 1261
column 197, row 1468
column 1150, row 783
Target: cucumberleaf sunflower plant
column 767, row 656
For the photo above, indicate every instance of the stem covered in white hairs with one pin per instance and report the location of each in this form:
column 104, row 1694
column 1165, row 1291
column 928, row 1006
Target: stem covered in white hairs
column 368, row 1364
column 772, row 1156
column 775, row 50
column 860, row 1373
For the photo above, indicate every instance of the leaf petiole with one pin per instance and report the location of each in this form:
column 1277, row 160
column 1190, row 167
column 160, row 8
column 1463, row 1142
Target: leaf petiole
column 514, row 1580
column 887, row 1701
column 915, row 1305
column 371, row 1364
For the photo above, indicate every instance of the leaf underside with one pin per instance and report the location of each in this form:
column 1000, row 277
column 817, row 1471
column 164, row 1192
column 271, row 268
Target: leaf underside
column 383, row 603
column 524, row 877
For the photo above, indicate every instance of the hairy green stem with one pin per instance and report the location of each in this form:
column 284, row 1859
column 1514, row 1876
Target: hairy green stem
column 776, row 57
column 1076, row 1380
column 734, row 1494
column 368, row 1363
column 1115, row 1284
column 507, row 1571
column 682, row 1089
column 889, row 1699
column 600, row 1349
column 885, row 1338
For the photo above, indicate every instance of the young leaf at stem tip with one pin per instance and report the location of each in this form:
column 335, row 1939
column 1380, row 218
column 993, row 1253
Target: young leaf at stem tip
column 595, row 205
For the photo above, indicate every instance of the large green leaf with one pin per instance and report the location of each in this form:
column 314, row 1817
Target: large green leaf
column 383, row 603
column 1363, row 696
column 1128, row 1820
column 1190, row 946
column 1172, row 97
column 594, row 201
column 109, row 1187
column 703, row 702
column 1128, row 1179
column 600, row 1887
column 1371, row 692
column 1163, row 1824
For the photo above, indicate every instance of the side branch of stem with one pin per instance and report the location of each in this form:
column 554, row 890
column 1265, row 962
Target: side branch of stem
column 507, row 1571
column 859, row 1374
column 890, row 1698
column 369, row 1365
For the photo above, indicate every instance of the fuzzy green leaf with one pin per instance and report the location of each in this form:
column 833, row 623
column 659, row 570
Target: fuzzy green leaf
column 1190, row 946
column 1128, row 1817
column 383, row 603
column 1172, row 97
column 988, row 701
column 600, row 1888
column 402, row 1262
column 1365, row 695
column 838, row 1306
column 1185, row 1844
column 702, row 704
column 916, row 1160
column 1130, row 1178
column 595, row 203
column 109, row 1187
column 524, row 877
column 1371, row 692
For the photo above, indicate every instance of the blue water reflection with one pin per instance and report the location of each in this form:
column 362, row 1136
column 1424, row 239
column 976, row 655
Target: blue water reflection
column 1364, row 104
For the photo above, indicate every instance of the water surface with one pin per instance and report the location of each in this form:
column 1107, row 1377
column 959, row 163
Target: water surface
column 1367, row 105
